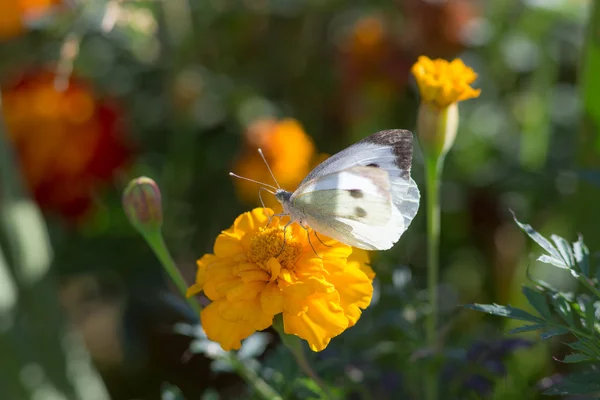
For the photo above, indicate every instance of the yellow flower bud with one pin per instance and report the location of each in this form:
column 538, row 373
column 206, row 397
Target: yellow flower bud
column 437, row 128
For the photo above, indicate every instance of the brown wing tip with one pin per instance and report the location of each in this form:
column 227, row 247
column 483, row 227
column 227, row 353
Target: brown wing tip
column 401, row 140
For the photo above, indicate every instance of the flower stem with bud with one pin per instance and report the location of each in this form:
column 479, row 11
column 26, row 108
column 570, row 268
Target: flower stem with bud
column 143, row 206
column 442, row 85
column 142, row 203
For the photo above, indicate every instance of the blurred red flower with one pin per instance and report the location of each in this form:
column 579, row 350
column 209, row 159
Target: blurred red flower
column 16, row 14
column 69, row 142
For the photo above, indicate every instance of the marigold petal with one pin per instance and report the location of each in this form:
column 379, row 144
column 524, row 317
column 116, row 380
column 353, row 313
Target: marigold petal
column 309, row 264
column 275, row 268
column 249, row 311
column 355, row 290
column 360, row 259
column 287, row 276
column 228, row 334
column 442, row 83
column 245, row 291
column 245, row 266
column 218, row 287
column 271, row 299
column 193, row 290
column 244, row 223
column 256, row 275
column 227, row 246
column 296, row 296
column 335, row 258
column 323, row 319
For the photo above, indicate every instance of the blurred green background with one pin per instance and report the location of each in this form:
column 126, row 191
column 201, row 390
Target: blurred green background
column 95, row 93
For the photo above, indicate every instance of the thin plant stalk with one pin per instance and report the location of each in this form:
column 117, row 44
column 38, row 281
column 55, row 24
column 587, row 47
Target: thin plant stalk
column 157, row 244
column 433, row 171
column 294, row 345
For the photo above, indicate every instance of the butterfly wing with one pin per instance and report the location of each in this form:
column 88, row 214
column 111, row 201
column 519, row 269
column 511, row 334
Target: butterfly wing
column 353, row 206
column 390, row 151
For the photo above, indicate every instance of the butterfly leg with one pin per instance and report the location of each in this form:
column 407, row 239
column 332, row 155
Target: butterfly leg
column 284, row 230
column 317, row 236
column 276, row 215
column 310, row 242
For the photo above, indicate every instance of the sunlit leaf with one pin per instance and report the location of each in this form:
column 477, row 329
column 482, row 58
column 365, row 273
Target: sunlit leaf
column 563, row 307
column 552, row 261
column 581, row 254
column 505, row 311
column 539, row 239
column 565, row 250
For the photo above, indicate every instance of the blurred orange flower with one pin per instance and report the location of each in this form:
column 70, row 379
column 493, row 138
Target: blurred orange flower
column 368, row 38
column 253, row 276
column 17, row 13
column 68, row 141
column 289, row 151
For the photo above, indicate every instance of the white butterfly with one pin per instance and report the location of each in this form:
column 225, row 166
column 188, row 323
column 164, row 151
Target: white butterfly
column 362, row 196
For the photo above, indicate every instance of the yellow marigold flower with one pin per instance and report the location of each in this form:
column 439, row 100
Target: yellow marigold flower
column 288, row 150
column 443, row 83
column 250, row 279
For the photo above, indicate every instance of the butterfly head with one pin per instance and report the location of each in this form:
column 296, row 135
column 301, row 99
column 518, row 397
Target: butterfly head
column 283, row 196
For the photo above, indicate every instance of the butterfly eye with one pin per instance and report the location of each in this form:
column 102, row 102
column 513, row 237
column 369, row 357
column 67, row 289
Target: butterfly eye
column 356, row 193
column 360, row 212
column 374, row 165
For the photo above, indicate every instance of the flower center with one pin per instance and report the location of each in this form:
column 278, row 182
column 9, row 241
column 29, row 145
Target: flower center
column 269, row 243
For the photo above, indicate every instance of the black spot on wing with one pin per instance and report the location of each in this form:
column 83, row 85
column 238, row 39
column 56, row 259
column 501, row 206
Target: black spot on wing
column 374, row 165
column 401, row 141
column 356, row 193
column 360, row 212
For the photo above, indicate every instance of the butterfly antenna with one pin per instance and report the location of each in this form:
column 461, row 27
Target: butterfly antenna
column 268, row 167
column 252, row 180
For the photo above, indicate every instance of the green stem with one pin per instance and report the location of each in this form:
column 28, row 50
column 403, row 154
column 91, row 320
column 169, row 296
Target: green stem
column 295, row 346
column 249, row 375
column 157, row 244
column 433, row 171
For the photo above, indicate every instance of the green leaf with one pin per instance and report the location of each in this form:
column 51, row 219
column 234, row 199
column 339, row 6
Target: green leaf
column 527, row 328
column 590, row 314
column 306, row 388
column 582, row 256
column 505, row 311
column 541, row 240
column 538, row 301
column 582, row 346
column 545, row 258
column 553, row 332
column 585, row 382
column 575, row 358
column 564, row 248
column 563, row 307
